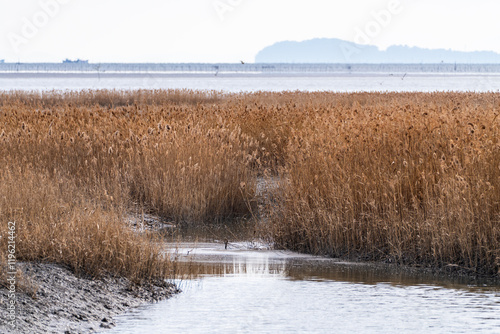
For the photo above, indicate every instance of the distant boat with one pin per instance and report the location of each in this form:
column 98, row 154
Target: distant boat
column 78, row 61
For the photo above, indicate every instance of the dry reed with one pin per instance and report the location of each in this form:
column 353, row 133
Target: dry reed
column 411, row 178
column 74, row 166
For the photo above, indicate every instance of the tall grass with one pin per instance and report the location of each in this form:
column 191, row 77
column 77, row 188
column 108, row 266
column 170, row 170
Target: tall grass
column 55, row 222
column 179, row 162
column 73, row 168
column 109, row 98
column 411, row 178
column 407, row 178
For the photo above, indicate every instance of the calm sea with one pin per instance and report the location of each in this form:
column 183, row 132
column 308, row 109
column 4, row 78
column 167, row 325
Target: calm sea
column 252, row 77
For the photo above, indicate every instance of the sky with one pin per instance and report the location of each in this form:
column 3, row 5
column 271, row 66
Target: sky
column 210, row 31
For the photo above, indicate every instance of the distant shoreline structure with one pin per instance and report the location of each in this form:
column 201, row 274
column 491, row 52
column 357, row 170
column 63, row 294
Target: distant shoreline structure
column 84, row 67
column 77, row 61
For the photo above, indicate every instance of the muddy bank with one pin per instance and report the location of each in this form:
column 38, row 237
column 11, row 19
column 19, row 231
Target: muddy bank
column 65, row 303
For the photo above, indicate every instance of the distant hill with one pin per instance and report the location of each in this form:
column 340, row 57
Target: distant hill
column 333, row 50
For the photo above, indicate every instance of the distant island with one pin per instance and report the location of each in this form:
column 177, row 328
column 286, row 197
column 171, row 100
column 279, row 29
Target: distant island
column 333, row 50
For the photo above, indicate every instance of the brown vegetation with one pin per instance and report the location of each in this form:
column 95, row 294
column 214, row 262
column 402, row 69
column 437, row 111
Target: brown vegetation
column 407, row 177
column 72, row 169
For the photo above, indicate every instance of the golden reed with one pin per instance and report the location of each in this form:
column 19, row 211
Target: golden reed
column 412, row 178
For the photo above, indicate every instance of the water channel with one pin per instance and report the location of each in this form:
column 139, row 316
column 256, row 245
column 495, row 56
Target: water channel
column 249, row 288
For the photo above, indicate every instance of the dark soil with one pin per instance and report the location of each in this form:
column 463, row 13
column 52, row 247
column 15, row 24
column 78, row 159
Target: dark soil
column 65, row 303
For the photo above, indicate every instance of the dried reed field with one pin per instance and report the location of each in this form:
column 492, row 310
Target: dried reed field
column 412, row 178
column 406, row 178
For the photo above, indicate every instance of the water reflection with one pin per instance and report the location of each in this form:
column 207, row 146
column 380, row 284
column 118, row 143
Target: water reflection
column 264, row 291
column 196, row 270
column 210, row 259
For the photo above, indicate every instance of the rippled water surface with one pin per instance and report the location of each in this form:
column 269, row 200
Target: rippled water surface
column 244, row 290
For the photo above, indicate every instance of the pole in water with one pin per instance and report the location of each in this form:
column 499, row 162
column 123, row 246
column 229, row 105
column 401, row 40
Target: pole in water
column 225, row 243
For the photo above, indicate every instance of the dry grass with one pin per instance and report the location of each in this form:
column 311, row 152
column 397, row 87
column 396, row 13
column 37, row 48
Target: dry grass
column 56, row 222
column 73, row 168
column 407, row 177
column 108, row 98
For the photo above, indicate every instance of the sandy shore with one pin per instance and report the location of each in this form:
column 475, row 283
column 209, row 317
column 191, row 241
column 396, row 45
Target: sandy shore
column 65, row 303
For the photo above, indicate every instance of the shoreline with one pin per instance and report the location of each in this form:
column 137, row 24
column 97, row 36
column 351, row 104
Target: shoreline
column 67, row 303
column 448, row 273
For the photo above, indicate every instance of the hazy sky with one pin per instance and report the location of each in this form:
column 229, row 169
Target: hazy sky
column 232, row 30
